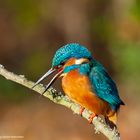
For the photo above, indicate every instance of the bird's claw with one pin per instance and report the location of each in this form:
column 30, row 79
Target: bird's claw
column 81, row 110
column 91, row 117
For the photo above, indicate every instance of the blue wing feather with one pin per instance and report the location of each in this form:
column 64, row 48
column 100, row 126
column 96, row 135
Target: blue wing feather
column 104, row 86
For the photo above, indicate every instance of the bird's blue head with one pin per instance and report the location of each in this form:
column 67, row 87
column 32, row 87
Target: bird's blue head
column 61, row 56
column 68, row 51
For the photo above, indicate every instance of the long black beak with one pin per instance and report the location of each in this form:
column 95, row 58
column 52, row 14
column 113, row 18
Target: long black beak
column 52, row 70
column 53, row 80
column 44, row 76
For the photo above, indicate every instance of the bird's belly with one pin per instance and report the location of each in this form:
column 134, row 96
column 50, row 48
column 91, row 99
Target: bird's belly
column 78, row 88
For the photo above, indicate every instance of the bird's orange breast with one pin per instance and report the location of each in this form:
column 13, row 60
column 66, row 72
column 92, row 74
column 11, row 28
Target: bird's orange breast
column 78, row 88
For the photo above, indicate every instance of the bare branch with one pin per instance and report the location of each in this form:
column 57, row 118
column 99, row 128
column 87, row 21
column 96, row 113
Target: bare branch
column 100, row 125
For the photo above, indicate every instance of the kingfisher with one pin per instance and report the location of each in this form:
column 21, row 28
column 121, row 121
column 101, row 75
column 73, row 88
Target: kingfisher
column 85, row 81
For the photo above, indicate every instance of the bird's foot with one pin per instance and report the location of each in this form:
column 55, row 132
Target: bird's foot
column 91, row 117
column 81, row 110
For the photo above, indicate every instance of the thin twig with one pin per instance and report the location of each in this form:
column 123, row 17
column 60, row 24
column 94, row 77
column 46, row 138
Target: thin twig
column 100, row 125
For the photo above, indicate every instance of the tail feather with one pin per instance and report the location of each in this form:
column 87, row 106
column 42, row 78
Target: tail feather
column 122, row 103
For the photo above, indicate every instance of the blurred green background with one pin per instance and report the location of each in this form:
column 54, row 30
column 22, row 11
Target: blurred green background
column 30, row 33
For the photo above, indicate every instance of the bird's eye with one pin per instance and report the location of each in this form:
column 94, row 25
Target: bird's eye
column 60, row 65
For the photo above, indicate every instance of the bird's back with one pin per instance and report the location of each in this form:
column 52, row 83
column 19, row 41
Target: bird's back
column 103, row 85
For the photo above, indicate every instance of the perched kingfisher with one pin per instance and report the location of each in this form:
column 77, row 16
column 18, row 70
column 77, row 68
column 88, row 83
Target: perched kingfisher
column 85, row 81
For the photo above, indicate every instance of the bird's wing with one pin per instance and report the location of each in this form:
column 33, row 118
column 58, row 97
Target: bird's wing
column 104, row 86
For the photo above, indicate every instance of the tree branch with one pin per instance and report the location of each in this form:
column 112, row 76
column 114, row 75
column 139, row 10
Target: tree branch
column 100, row 125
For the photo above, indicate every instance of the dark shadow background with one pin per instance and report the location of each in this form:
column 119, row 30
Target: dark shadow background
column 30, row 33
